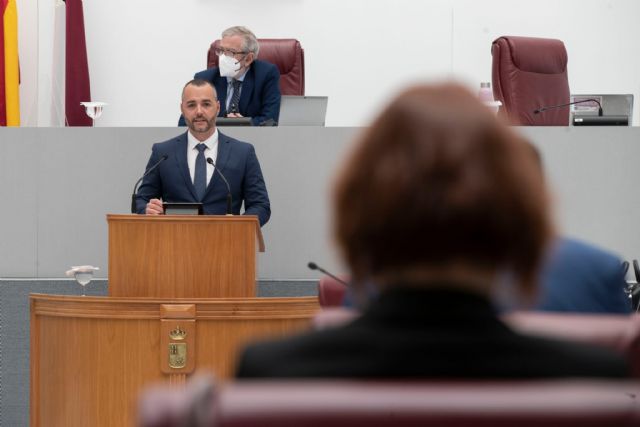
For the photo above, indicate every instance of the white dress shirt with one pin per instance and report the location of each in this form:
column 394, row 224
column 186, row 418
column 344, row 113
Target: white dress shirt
column 211, row 151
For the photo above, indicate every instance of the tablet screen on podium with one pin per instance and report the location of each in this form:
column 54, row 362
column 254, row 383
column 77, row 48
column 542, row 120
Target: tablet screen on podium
column 233, row 121
column 182, row 208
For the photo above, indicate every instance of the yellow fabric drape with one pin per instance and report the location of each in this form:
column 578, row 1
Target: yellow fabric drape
column 11, row 65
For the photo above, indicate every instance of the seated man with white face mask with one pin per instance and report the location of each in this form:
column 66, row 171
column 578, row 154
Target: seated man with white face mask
column 246, row 86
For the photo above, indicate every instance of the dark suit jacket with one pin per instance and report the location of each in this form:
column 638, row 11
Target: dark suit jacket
column 427, row 334
column 259, row 96
column 579, row 277
column 236, row 160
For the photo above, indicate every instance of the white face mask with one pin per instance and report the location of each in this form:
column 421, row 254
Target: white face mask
column 229, row 67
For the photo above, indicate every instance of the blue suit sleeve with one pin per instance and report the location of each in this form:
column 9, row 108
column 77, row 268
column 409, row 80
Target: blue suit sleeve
column 270, row 109
column 151, row 187
column 256, row 199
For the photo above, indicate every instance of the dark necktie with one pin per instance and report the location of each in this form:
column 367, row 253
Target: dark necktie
column 235, row 98
column 200, row 174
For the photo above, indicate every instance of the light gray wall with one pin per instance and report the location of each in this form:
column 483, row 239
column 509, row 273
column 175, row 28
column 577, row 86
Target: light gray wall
column 57, row 185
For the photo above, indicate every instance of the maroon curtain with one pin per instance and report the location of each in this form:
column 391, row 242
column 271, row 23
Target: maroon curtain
column 77, row 86
column 3, row 95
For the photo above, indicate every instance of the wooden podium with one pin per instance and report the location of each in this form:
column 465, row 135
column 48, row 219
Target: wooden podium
column 181, row 300
column 91, row 356
column 183, row 256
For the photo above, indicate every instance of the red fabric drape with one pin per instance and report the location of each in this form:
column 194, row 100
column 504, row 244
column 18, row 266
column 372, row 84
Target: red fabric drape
column 77, row 85
column 3, row 95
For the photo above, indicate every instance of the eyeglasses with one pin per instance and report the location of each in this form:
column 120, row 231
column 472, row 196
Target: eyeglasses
column 228, row 52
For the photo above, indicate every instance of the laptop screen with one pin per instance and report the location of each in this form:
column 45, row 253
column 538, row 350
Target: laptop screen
column 303, row 110
column 612, row 105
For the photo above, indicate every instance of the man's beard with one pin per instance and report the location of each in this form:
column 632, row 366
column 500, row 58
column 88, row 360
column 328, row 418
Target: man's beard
column 208, row 127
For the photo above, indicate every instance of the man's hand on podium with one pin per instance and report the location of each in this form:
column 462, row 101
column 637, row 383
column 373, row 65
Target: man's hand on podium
column 154, row 207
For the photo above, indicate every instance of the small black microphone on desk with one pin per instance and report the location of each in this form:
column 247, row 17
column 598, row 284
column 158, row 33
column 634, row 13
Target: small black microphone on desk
column 552, row 107
column 229, row 201
column 135, row 187
column 313, row 266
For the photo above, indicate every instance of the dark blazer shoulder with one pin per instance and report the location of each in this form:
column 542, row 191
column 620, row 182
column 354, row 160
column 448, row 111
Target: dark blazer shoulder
column 226, row 139
column 555, row 357
column 263, row 67
column 368, row 347
column 210, row 74
column 170, row 143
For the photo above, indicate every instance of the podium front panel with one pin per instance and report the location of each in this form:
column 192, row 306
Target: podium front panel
column 92, row 356
column 182, row 256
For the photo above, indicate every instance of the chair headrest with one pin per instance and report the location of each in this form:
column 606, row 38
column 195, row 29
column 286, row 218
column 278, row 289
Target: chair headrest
column 536, row 55
column 283, row 53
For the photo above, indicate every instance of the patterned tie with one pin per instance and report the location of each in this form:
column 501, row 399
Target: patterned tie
column 200, row 175
column 235, row 98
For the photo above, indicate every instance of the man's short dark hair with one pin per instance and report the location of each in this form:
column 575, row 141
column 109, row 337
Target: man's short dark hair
column 200, row 83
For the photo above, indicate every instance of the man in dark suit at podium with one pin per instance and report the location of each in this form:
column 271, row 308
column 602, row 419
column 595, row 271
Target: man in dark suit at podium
column 186, row 164
column 246, row 86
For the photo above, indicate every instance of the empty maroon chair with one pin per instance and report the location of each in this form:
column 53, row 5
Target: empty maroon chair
column 529, row 73
column 330, row 292
column 286, row 54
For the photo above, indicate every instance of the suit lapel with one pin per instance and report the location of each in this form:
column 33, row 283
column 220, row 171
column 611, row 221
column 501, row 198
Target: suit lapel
column 224, row 150
column 247, row 89
column 181, row 155
column 221, row 89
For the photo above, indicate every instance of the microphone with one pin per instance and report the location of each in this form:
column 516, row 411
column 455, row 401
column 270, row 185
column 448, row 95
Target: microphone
column 552, row 107
column 147, row 172
column 313, row 266
column 210, row 161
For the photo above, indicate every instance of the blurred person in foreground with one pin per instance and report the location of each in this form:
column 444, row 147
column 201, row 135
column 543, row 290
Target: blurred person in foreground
column 435, row 204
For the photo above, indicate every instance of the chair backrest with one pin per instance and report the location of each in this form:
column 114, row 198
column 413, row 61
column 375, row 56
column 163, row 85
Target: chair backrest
column 330, row 292
column 286, row 54
column 529, row 73
column 376, row 404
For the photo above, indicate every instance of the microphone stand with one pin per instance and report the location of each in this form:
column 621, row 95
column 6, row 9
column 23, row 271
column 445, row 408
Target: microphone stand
column 552, row 107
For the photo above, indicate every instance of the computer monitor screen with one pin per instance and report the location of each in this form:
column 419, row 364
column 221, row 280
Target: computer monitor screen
column 303, row 110
column 612, row 105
